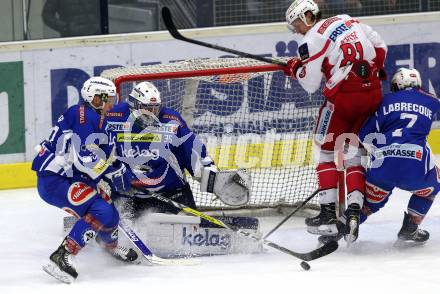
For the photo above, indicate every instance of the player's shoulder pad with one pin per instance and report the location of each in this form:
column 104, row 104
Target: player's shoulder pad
column 303, row 51
column 170, row 115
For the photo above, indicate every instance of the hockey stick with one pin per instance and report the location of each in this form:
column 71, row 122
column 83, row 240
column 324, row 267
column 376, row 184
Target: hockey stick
column 292, row 213
column 169, row 24
column 146, row 252
column 314, row 254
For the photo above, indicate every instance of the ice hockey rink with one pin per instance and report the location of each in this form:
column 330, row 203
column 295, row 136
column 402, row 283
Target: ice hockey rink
column 32, row 230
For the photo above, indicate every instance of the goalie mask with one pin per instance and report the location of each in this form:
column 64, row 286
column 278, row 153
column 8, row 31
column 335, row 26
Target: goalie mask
column 144, row 102
column 405, row 78
column 297, row 11
column 99, row 92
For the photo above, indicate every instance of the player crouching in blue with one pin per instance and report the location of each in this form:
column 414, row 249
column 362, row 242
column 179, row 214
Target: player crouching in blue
column 158, row 146
column 71, row 168
column 400, row 156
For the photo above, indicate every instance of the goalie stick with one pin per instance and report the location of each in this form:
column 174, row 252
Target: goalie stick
column 308, row 256
column 146, row 252
column 169, row 24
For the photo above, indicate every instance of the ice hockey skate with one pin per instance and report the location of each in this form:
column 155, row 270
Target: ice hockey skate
column 325, row 222
column 61, row 265
column 410, row 235
column 119, row 252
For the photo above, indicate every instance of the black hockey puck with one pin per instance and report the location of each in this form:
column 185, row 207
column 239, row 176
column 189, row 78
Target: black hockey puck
column 305, row 265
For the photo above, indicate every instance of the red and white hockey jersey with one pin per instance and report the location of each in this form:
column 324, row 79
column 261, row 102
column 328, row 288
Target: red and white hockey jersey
column 330, row 47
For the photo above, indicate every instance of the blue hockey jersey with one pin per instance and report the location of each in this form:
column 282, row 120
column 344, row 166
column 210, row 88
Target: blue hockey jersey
column 77, row 144
column 404, row 121
column 159, row 154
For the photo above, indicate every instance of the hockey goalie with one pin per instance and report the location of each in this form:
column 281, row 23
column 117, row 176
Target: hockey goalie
column 157, row 147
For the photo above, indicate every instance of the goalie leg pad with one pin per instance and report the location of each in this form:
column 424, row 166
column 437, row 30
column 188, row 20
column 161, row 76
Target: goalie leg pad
column 182, row 235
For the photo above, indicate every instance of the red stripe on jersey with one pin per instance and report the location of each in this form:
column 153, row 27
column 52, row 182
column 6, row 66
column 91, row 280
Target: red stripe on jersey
column 319, row 54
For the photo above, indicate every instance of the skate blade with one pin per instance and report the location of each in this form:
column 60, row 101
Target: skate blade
column 53, row 270
column 402, row 244
column 351, row 237
column 323, row 230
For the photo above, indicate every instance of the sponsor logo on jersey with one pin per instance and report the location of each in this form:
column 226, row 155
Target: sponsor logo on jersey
column 424, row 192
column 136, row 151
column 375, row 194
column 143, row 137
column 324, row 123
column 327, row 23
column 409, row 151
column 350, row 38
column 118, row 126
column 339, row 30
column 61, row 118
column 303, row 51
column 114, row 114
column 79, row 193
column 82, row 116
column 173, row 117
column 302, row 73
column 206, row 239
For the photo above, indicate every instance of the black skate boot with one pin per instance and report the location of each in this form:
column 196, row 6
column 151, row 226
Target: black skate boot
column 410, row 234
column 61, row 264
column 326, row 239
column 325, row 222
column 351, row 231
column 118, row 251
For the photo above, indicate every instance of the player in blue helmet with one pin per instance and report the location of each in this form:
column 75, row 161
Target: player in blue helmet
column 72, row 167
column 400, row 155
column 158, row 146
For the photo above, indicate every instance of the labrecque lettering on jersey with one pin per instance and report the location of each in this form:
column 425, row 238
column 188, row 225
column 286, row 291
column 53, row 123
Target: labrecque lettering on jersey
column 407, row 107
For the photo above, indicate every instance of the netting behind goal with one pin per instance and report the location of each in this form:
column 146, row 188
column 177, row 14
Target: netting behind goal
column 248, row 114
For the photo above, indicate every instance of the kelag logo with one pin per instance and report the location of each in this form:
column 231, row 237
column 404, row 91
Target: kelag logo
column 12, row 137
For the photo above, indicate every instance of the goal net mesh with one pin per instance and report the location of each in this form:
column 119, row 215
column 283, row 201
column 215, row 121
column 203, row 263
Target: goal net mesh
column 249, row 115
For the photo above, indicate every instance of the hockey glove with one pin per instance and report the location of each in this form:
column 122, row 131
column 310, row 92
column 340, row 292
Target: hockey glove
column 292, row 67
column 382, row 74
column 232, row 187
column 119, row 178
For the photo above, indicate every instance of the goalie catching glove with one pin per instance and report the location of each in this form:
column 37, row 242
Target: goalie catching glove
column 232, row 187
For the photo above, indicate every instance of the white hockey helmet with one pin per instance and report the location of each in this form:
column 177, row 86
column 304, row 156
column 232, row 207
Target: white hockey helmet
column 98, row 86
column 145, row 96
column 405, row 78
column 299, row 8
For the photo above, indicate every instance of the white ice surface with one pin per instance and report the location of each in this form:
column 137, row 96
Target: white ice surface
column 31, row 230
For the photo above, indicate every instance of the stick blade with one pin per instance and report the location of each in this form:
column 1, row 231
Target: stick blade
column 169, row 24
column 326, row 249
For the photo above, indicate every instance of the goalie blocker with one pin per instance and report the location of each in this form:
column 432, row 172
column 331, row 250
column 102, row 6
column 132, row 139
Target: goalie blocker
column 232, row 187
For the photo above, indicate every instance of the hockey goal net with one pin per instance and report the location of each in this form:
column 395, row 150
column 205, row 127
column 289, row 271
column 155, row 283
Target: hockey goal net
column 248, row 114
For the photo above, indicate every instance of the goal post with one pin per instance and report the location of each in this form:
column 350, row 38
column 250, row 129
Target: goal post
column 249, row 115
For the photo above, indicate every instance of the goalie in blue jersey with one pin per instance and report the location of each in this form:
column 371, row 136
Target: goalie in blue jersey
column 400, row 155
column 74, row 175
column 158, row 147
